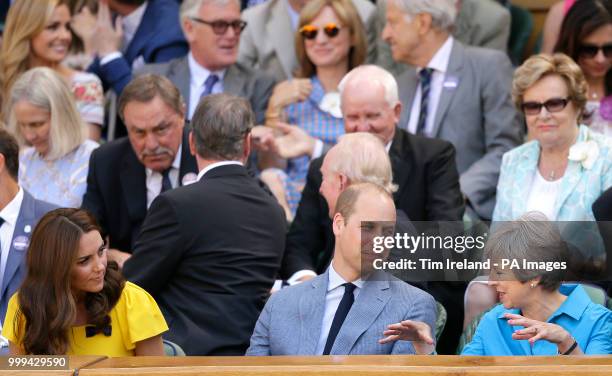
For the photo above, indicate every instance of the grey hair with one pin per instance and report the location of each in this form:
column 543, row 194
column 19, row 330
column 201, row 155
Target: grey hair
column 220, row 125
column 362, row 158
column 372, row 73
column 190, row 8
column 443, row 12
column 531, row 237
column 42, row 87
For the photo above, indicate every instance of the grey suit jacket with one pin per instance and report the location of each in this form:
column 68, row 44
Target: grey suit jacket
column 238, row 80
column 481, row 23
column 477, row 117
column 268, row 42
column 30, row 212
column 291, row 321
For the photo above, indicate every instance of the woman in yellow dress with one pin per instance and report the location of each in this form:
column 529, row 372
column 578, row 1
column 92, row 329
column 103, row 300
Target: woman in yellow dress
column 73, row 301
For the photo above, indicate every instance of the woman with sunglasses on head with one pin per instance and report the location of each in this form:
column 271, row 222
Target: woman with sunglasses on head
column 74, row 301
column 37, row 34
column 586, row 36
column 330, row 41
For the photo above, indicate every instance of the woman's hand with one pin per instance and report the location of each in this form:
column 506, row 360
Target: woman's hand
column 536, row 330
column 285, row 93
column 419, row 333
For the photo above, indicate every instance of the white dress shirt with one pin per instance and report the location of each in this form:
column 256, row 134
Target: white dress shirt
column 439, row 64
column 217, row 164
column 154, row 178
column 198, row 74
column 130, row 25
column 335, row 291
column 10, row 213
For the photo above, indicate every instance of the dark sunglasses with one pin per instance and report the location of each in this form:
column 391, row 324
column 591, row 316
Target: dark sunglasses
column 310, row 31
column 591, row 50
column 220, row 27
column 551, row 105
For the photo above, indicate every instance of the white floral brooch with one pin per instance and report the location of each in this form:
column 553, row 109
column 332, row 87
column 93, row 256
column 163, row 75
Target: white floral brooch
column 331, row 104
column 585, row 152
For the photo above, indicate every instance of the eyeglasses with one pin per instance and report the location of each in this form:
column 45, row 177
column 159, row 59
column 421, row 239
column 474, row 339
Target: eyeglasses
column 220, row 27
column 551, row 105
column 590, row 50
column 310, row 31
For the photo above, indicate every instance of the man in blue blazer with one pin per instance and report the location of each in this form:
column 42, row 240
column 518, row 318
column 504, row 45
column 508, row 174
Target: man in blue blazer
column 338, row 312
column 147, row 32
column 19, row 213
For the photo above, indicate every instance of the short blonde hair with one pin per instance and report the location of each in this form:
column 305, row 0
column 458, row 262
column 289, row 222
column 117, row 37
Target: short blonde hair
column 348, row 16
column 539, row 66
column 25, row 19
column 44, row 88
column 347, row 200
column 362, row 158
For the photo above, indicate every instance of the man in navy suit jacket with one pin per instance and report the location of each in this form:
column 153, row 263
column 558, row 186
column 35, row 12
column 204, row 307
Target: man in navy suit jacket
column 148, row 32
column 19, row 213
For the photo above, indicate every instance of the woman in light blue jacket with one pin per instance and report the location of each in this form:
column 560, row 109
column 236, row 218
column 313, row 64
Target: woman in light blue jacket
column 566, row 166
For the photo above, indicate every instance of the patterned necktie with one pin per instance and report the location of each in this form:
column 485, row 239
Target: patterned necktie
column 425, row 79
column 208, row 85
column 343, row 309
column 166, row 184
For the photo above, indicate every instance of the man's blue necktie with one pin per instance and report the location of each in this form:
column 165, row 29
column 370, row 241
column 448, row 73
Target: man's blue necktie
column 425, row 79
column 208, row 85
column 343, row 309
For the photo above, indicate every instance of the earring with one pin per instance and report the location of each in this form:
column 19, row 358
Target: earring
column 533, row 285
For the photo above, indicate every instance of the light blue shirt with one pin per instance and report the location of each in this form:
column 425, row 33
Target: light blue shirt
column 335, row 291
column 62, row 181
column 589, row 323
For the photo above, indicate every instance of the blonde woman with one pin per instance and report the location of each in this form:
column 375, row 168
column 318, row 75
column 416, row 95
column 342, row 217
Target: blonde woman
column 43, row 114
column 37, row 34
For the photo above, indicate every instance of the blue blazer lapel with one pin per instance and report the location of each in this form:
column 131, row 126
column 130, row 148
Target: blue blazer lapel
column 454, row 74
column 366, row 309
column 311, row 309
column 143, row 34
column 20, row 241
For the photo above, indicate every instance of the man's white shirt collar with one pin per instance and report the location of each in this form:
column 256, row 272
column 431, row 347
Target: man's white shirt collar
column 439, row 62
column 199, row 74
column 10, row 213
column 335, row 280
column 217, row 164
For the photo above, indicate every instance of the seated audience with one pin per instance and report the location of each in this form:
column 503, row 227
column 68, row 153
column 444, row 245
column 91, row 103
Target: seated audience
column 423, row 169
column 43, row 114
column 538, row 316
column 212, row 249
column 563, row 169
column 566, row 166
column 19, row 213
column 127, row 174
column 343, row 311
column 75, row 302
column 268, row 42
column 586, row 37
column 479, row 23
column 457, row 93
column 37, row 34
column 144, row 32
column 330, row 41
column 213, row 31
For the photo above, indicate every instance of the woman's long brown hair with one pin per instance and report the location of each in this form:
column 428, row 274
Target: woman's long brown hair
column 45, row 297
